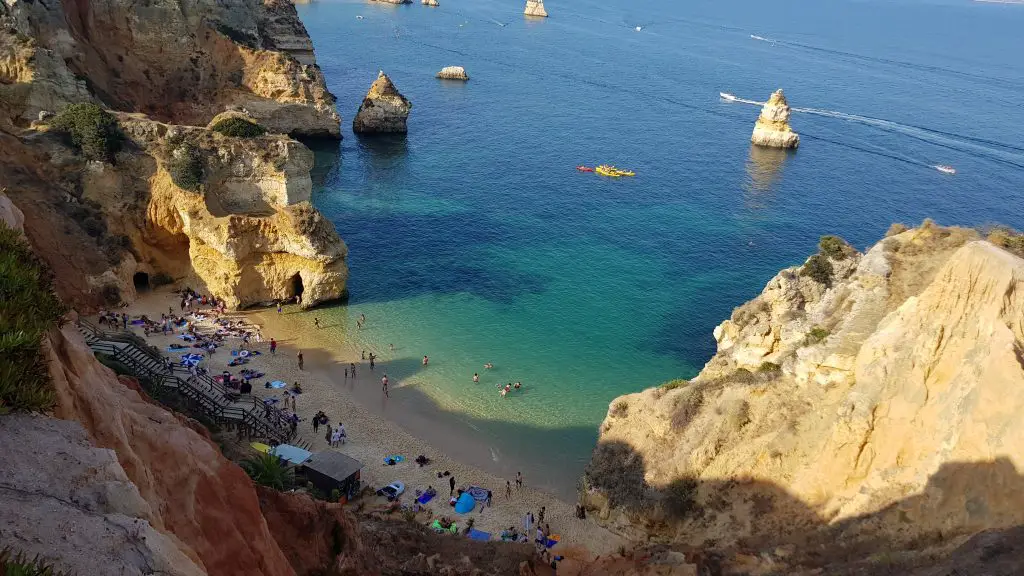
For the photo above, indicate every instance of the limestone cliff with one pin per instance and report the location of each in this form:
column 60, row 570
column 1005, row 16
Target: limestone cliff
column 772, row 127
column 860, row 403
column 181, row 63
column 384, row 109
column 535, row 8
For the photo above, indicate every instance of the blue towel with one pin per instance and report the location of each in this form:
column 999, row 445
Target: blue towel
column 475, row 534
column 425, row 498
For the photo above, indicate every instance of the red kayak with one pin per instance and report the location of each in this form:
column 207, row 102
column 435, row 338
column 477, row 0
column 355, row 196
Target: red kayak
column 584, row 169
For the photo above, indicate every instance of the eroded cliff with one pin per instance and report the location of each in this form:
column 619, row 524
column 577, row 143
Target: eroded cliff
column 180, row 63
column 860, row 403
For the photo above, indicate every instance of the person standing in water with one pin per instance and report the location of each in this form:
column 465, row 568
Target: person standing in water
column 372, row 358
column 352, row 370
column 425, row 359
column 519, row 479
column 384, row 385
column 476, row 378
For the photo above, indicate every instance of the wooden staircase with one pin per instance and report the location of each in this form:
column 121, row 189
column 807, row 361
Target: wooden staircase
column 219, row 403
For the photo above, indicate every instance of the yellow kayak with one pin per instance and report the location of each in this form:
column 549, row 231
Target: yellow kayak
column 612, row 171
column 260, row 447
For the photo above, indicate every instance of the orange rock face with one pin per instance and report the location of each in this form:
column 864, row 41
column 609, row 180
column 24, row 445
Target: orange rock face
column 197, row 496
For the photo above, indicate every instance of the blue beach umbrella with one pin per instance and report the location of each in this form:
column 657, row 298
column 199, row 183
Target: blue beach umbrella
column 191, row 359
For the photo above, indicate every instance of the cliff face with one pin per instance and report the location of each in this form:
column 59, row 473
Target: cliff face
column 880, row 408
column 180, row 63
column 772, row 127
column 384, row 109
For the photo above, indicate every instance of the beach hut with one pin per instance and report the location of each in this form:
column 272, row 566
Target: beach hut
column 330, row 471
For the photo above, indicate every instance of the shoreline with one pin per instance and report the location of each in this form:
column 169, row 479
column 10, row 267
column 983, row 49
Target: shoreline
column 373, row 431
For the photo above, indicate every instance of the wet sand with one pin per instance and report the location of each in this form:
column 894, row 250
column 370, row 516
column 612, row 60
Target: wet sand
column 378, row 426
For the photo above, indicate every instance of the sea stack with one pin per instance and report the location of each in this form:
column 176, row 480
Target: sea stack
column 535, row 8
column 772, row 128
column 384, row 110
column 453, row 73
column 431, row 3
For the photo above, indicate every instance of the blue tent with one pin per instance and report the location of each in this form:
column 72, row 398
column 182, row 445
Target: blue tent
column 465, row 504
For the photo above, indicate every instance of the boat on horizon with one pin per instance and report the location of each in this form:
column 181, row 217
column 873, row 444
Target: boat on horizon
column 945, row 169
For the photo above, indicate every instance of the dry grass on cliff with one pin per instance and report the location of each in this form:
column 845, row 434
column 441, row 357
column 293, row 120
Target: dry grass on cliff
column 916, row 256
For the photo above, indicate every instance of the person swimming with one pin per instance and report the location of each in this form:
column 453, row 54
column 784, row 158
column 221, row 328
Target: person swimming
column 476, row 377
column 488, row 366
column 518, row 385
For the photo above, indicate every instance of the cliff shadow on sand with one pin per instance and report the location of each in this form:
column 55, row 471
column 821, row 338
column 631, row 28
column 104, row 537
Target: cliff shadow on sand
column 911, row 536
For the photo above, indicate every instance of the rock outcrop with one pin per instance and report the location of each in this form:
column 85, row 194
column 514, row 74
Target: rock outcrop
column 433, row 3
column 865, row 403
column 453, row 73
column 383, row 110
column 178, row 63
column 772, row 127
column 535, row 8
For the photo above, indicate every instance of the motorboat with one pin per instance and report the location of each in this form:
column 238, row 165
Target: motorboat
column 726, row 96
column 945, row 169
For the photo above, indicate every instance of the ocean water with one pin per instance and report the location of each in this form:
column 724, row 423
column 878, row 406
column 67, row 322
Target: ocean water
column 475, row 240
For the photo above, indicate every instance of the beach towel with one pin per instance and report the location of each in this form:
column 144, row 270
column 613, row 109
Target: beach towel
column 137, row 322
column 427, row 497
column 479, row 494
column 186, row 337
column 173, row 348
column 278, row 384
column 396, row 458
column 465, row 504
column 552, row 540
column 475, row 534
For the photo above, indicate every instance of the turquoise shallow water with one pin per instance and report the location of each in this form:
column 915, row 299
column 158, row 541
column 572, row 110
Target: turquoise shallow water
column 474, row 239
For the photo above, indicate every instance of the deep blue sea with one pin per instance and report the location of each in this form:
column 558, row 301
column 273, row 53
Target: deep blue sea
column 475, row 240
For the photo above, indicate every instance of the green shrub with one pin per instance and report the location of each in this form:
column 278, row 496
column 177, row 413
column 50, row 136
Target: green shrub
column 817, row 334
column 835, row 247
column 12, row 564
column 91, row 129
column 238, row 128
column 767, row 367
column 186, row 166
column 28, row 308
column 673, row 384
column 270, row 471
column 620, row 409
column 680, row 497
column 819, row 269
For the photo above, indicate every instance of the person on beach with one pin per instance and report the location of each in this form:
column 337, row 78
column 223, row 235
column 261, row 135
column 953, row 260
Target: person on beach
column 316, row 323
column 341, row 432
column 425, row 360
column 519, row 479
column 476, row 378
column 278, row 307
column 364, row 355
column 335, row 438
column 316, row 423
column 352, row 370
column 346, row 372
column 300, row 359
column 540, row 515
column 451, row 485
column 273, row 346
column 384, row 384
column 508, row 490
column 328, row 435
column 372, row 358
column 488, row 498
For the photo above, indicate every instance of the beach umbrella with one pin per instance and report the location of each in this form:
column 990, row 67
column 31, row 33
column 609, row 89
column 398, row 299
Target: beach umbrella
column 191, row 359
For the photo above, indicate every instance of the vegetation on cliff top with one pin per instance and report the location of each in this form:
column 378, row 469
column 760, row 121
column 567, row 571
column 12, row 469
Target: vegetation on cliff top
column 91, row 129
column 184, row 163
column 17, row 564
column 28, row 308
column 270, row 471
column 238, row 128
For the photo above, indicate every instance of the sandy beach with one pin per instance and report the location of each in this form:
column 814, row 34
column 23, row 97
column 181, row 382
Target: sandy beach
column 368, row 418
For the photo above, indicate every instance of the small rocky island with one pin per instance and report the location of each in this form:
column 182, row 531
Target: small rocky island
column 535, row 8
column 772, row 128
column 434, row 3
column 384, row 110
column 453, row 73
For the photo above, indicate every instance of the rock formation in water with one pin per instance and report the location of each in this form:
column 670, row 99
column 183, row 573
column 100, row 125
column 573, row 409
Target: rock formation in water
column 177, row 63
column 433, row 3
column 772, row 127
column 453, row 73
column 384, row 109
column 860, row 403
column 535, row 8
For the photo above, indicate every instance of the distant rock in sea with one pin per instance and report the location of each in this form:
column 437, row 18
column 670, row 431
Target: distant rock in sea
column 434, row 3
column 535, row 8
column 383, row 110
column 453, row 73
column 772, row 128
